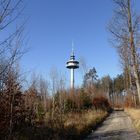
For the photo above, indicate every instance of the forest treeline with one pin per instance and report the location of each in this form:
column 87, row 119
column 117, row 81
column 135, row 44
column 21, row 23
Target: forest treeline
column 38, row 113
column 46, row 108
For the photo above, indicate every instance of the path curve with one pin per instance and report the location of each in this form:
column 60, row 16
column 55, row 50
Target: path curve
column 118, row 126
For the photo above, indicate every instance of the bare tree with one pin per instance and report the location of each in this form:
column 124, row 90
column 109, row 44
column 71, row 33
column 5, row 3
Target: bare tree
column 43, row 89
column 54, row 87
column 54, row 80
column 106, row 84
column 125, row 29
column 10, row 12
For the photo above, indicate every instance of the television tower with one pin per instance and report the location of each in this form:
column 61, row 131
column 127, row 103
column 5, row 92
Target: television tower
column 72, row 64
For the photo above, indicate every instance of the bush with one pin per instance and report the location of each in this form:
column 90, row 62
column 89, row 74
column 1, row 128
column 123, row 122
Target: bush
column 69, row 105
column 101, row 103
column 86, row 100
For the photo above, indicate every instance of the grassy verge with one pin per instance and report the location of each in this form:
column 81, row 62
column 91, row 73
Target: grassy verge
column 76, row 126
column 82, row 124
column 135, row 116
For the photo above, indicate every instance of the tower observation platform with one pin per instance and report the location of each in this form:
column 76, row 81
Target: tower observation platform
column 72, row 64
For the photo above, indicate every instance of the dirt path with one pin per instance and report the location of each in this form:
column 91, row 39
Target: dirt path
column 118, row 126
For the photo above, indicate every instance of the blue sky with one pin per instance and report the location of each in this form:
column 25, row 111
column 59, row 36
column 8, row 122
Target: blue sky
column 54, row 24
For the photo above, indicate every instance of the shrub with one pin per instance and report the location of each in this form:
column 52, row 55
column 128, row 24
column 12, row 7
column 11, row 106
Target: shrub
column 86, row 100
column 101, row 103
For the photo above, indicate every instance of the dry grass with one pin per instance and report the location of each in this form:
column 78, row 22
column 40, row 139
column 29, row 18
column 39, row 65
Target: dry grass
column 74, row 126
column 135, row 115
column 83, row 118
column 83, row 123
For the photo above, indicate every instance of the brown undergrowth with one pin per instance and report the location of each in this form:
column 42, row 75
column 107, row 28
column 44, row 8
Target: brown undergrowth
column 76, row 126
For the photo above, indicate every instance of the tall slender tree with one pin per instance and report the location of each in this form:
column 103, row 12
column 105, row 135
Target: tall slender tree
column 125, row 30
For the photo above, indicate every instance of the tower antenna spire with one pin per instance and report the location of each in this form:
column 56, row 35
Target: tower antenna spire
column 72, row 47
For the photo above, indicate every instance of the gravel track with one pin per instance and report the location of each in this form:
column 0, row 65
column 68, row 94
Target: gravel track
column 118, row 126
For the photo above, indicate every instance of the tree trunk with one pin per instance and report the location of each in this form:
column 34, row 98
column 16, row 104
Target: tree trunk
column 133, row 50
